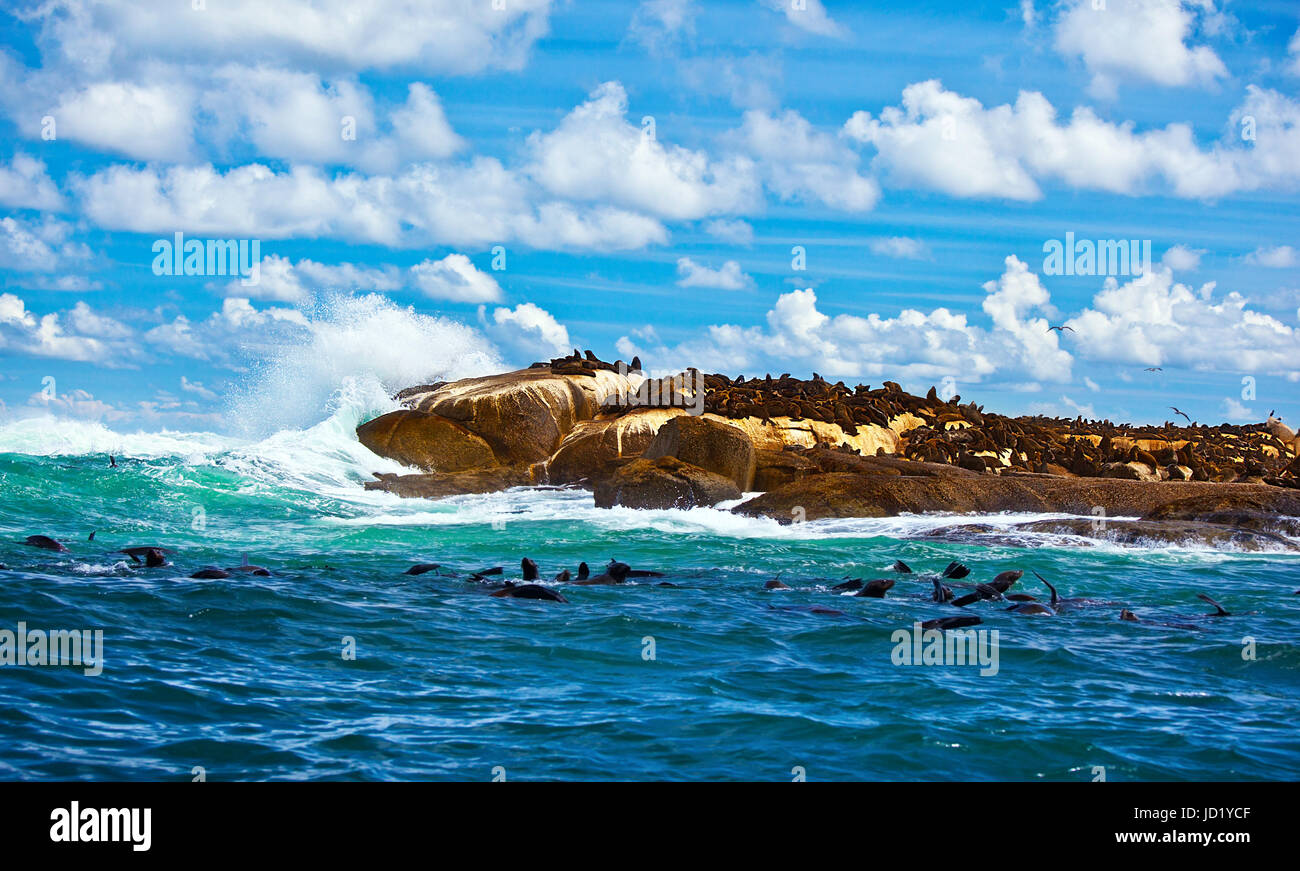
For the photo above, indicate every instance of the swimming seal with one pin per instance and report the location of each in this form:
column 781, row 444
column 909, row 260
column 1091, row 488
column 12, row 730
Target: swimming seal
column 1218, row 609
column 529, row 569
column 943, row 624
column 851, row 584
column 941, row 593
column 615, row 573
column 211, row 573
column 44, row 542
column 247, row 568
column 774, row 584
column 876, row 589
column 562, row 577
column 583, row 572
column 421, row 568
column 955, row 570
column 153, row 556
column 901, row 567
column 528, row 591
column 1031, row 608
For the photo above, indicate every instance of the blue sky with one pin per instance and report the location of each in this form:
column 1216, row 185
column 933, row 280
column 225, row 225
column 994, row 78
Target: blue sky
column 651, row 172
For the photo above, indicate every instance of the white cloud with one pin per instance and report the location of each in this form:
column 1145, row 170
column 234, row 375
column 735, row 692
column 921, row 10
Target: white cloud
column 1236, row 412
column 474, row 204
column 281, row 280
column 1140, row 40
column 197, row 387
column 1091, row 385
column 801, row 163
column 1277, row 257
column 24, row 185
column 941, row 140
column 445, row 36
column 42, row 245
column 901, row 247
column 736, row 232
column 1154, row 321
column 1180, row 258
column 455, row 278
column 82, row 337
column 237, row 331
column 810, row 15
column 149, row 122
column 529, row 329
column 659, row 25
column 1293, row 49
column 729, row 277
column 597, row 154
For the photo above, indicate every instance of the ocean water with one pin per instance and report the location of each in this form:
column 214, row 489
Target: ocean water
column 245, row 677
column 716, row 678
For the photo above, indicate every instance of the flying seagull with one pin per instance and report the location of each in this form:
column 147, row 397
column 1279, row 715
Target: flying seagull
column 1176, row 411
column 1154, row 369
column 1058, row 329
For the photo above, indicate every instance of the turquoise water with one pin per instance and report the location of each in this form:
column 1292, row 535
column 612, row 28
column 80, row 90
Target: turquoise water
column 245, row 677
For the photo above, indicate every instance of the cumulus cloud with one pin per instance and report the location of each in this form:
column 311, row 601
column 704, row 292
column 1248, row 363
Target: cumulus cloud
column 529, row 329
column 1154, row 321
column 456, row 279
column 736, row 232
column 282, row 280
column 597, row 154
column 943, row 141
column 1276, row 257
column 228, row 337
column 473, row 204
column 810, row 16
column 1140, row 40
column 81, row 336
column 1235, row 412
column 444, row 36
column 901, row 247
column 728, row 277
column 1180, row 258
column 38, row 245
column 799, row 162
column 658, row 25
column 25, row 185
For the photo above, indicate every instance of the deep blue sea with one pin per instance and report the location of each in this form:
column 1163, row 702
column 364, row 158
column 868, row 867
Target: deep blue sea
column 716, row 678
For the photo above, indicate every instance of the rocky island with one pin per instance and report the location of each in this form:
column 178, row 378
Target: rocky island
column 816, row 449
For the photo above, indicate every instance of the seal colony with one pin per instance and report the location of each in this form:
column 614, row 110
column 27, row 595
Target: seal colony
column 815, row 448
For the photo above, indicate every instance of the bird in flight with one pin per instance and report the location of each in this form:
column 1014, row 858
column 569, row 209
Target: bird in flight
column 1060, row 328
column 1154, row 369
column 1176, row 411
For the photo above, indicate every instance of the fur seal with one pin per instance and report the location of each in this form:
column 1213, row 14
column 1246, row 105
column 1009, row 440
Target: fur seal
column 421, row 568
column 153, row 556
column 562, row 577
column 943, row 624
column 774, row 584
column 1031, row 608
column 941, row 593
column 528, row 591
column 529, row 569
column 1218, row 609
column 211, row 573
column 44, row 542
column 483, row 573
column 851, row 584
column 876, row 589
column 901, row 567
column 955, row 570
column 992, row 590
column 247, row 568
column 583, row 572
column 615, row 573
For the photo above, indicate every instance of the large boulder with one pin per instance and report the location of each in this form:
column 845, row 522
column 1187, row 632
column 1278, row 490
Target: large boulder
column 426, row 441
column 523, row 415
column 594, row 449
column 718, row 447
column 777, row 468
column 439, row 485
column 664, row 482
